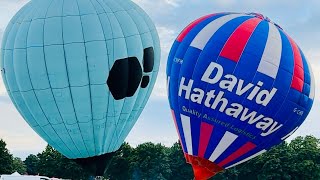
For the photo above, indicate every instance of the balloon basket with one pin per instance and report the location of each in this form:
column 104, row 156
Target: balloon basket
column 96, row 165
column 203, row 169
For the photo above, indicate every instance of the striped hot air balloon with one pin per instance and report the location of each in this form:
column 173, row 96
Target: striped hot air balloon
column 237, row 85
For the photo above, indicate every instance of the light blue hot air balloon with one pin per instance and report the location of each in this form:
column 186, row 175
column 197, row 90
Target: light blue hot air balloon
column 80, row 72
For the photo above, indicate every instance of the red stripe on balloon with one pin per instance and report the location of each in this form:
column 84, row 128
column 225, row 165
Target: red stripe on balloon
column 205, row 134
column 235, row 45
column 298, row 72
column 241, row 151
column 191, row 26
column 175, row 123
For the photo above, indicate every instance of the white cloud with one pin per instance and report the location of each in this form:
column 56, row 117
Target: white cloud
column 173, row 2
column 158, row 9
column 17, row 141
column 8, row 8
column 154, row 125
column 2, row 88
column 167, row 37
column 1, row 33
column 226, row 3
column 153, row 3
column 309, row 126
column 313, row 56
column 16, row 132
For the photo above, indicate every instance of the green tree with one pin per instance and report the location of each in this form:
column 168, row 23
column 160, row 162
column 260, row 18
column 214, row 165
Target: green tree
column 31, row 163
column 6, row 159
column 53, row 164
column 19, row 166
column 120, row 166
column 305, row 158
column 48, row 162
column 180, row 169
column 231, row 174
column 151, row 161
column 299, row 159
column 275, row 164
column 68, row 169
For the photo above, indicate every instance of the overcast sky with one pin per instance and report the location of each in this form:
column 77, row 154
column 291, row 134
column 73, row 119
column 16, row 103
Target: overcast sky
column 298, row 18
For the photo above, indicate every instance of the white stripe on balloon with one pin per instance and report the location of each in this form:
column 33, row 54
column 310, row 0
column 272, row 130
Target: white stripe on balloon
column 201, row 40
column 187, row 132
column 247, row 159
column 270, row 61
column 227, row 139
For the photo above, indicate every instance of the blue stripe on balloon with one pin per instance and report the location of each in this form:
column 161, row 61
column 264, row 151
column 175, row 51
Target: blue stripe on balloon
column 199, row 65
column 180, row 129
column 172, row 53
column 185, row 44
column 249, row 60
column 191, row 59
column 289, row 119
column 174, row 89
column 173, row 70
column 237, row 144
column 180, row 48
column 253, row 106
column 211, row 52
column 307, row 78
column 215, row 138
column 192, row 53
column 195, row 133
column 275, row 138
column 286, row 77
column 190, row 56
column 249, row 154
column 286, row 62
column 252, row 54
column 283, row 84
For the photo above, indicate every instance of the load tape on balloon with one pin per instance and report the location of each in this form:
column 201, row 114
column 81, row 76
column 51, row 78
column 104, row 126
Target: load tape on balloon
column 237, row 85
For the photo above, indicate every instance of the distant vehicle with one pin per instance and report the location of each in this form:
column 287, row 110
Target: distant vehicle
column 22, row 177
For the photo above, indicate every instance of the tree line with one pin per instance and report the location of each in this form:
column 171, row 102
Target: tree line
column 295, row 160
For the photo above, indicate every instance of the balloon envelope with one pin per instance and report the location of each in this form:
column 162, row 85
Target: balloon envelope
column 80, row 71
column 238, row 85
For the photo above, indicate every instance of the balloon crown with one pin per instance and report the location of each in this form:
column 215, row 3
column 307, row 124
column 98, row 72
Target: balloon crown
column 261, row 16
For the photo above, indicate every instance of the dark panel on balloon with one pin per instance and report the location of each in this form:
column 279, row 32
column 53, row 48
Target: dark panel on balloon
column 145, row 81
column 118, row 79
column 135, row 75
column 124, row 78
column 148, row 59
